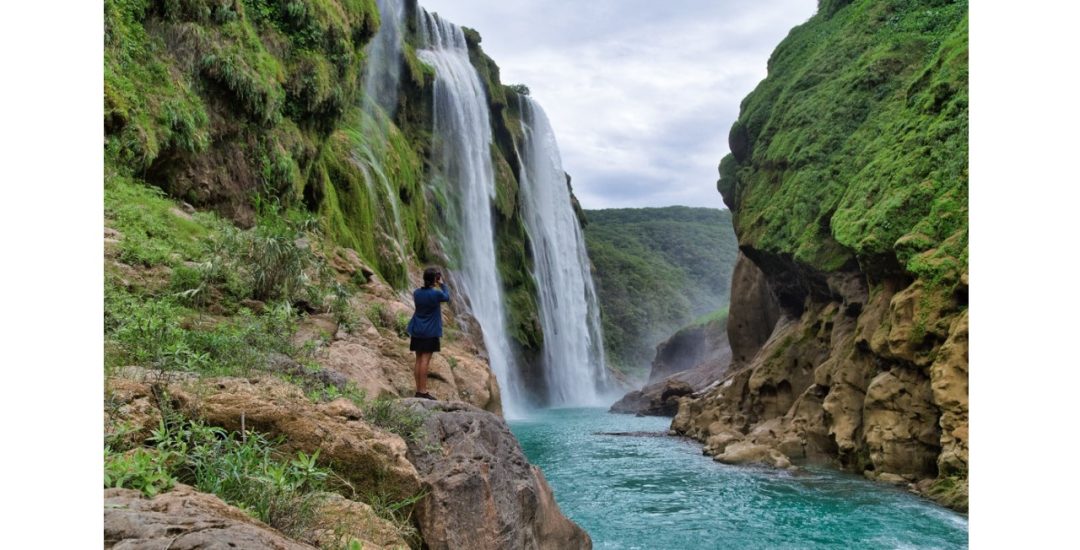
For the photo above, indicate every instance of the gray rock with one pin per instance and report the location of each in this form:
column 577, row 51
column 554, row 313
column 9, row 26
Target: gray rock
column 482, row 491
column 184, row 519
column 659, row 399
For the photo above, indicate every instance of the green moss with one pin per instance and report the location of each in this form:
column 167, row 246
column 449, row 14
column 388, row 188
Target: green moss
column 951, row 491
column 149, row 107
column 153, row 229
column 855, row 146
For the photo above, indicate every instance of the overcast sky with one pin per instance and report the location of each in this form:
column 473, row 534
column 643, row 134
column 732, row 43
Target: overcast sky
column 641, row 93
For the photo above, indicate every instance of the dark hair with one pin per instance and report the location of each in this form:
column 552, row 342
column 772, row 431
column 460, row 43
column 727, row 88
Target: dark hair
column 429, row 276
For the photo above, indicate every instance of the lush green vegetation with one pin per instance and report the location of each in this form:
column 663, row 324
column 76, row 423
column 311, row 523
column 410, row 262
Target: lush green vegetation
column 192, row 293
column 854, row 149
column 656, row 270
column 227, row 105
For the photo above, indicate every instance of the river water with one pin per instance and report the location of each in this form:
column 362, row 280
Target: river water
column 658, row 492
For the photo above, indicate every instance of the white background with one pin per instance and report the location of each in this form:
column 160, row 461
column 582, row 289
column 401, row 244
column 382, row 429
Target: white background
column 1024, row 390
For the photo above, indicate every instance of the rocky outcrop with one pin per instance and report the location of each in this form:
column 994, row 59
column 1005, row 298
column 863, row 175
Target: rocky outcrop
column 848, row 321
column 185, row 519
column 688, row 362
column 373, row 460
column 338, row 520
column 657, row 399
column 481, row 491
column 690, row 347
column 375, row 356
column 752, row 313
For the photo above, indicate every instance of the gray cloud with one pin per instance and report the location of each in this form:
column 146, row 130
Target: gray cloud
column 640, row 93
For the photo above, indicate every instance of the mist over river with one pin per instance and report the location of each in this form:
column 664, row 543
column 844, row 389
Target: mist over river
column 653, row 491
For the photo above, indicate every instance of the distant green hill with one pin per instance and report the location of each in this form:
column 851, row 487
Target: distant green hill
column 657, row 269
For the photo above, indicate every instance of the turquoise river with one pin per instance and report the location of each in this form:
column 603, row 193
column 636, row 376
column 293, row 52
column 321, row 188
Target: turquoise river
column 652, row 491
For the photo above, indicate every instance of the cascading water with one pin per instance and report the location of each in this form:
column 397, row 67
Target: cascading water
column 381, row 78
column 462, row 156
column 383, row 71
column 569, row 313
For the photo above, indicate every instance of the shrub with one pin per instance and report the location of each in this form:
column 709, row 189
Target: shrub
column 162, row 334
column 394, row 417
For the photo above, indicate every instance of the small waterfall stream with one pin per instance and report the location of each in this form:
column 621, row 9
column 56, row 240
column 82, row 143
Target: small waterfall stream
column 381, row 78
column 569, row 313
column 463, row 157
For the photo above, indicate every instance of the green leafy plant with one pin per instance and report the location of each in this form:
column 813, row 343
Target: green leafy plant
column 376, row 313
column 246, row 470
column 397, row 512
column 401, row 325
column 145, row 470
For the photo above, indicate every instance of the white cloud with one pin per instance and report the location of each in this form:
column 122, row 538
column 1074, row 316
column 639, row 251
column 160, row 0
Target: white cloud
column 641, row 94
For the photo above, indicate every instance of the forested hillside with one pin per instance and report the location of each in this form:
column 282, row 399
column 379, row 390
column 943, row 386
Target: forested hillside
column 656, row 270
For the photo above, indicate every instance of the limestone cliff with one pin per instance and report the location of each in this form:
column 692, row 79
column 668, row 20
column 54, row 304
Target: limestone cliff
column 848, row 182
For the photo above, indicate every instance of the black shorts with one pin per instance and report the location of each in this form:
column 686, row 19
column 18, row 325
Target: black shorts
column 426, row 345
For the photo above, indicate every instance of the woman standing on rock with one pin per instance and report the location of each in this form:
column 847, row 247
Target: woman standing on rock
column 425, row 327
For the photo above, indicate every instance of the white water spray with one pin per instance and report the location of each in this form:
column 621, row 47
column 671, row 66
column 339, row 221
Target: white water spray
column 462, row 156
column 569, row 313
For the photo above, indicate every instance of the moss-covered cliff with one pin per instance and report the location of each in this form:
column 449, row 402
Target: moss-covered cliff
column 848, row 182
column 262, row 219
column 229, row 105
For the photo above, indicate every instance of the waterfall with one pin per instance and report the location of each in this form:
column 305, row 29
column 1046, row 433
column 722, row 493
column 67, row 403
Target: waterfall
column 380, row 80
column 382, row 74
column 573, row 352
column 462, row 156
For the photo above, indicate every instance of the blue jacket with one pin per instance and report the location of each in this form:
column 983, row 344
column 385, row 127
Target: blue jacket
column 427, row 321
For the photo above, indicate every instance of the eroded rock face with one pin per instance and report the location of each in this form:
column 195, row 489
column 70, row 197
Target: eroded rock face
column 753, row 311
column 871, row 380
column 185, row 519
column 482, row 491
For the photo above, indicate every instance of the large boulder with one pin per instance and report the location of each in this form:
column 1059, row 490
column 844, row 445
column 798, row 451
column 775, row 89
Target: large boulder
column 482, row 493
column 185, row 519
column 658, row 399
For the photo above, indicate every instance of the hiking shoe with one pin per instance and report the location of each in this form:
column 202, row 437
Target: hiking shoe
column 425, row 396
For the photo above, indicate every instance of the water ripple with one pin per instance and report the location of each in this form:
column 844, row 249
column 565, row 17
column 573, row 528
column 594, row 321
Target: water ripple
column 660, row 493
